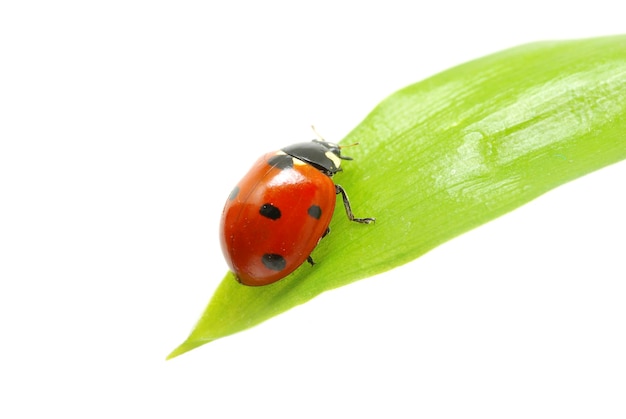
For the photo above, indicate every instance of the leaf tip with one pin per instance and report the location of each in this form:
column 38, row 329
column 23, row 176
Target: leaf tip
column 186, row 346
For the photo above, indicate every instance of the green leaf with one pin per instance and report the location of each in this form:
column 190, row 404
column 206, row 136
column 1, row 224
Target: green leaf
column 447, row 154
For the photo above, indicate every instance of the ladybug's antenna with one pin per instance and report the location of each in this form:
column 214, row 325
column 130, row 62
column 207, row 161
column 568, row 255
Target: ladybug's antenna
column 346, row 146
column 322, row 139
column 317, row 133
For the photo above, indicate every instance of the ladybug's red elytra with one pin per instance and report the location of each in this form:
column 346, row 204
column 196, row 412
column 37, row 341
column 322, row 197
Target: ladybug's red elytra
column 279, row 211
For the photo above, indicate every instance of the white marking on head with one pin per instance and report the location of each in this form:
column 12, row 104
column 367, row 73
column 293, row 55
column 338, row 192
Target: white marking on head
column 298, row 162
column 293, row 159
column 334, row 158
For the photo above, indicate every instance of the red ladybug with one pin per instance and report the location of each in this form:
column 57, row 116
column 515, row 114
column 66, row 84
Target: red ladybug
column 280, row 210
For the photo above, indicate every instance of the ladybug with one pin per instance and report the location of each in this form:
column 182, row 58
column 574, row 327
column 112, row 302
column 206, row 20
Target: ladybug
column 280, row 210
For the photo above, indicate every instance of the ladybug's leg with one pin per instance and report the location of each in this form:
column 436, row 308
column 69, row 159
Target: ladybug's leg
column 325, row 233
column 310, row 259
column 346, row 204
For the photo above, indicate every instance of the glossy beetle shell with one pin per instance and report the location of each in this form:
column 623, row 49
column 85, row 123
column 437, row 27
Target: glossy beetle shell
column 275, row 217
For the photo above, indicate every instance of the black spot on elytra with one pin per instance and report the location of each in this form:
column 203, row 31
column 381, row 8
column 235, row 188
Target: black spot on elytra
column 315, row 211
column 269, row 211
column 274, row 261
column 234, row 193
column 281, row 161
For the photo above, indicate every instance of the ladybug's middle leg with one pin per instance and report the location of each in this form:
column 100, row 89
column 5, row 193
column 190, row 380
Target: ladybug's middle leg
column 310, row 259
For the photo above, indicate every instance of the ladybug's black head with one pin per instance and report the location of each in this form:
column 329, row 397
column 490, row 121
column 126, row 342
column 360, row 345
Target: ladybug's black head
column 321, row 154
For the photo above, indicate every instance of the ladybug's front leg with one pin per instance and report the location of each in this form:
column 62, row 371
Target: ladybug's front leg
column 346, row 204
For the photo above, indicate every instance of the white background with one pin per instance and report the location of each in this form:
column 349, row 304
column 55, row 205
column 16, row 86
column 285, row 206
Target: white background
column 117, row 120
